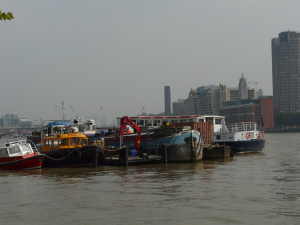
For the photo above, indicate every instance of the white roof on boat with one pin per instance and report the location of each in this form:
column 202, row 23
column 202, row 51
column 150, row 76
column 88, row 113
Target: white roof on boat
column 9, row 140
column 175, row 117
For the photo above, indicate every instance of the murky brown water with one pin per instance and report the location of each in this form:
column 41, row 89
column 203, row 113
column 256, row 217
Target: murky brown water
column 251, row 189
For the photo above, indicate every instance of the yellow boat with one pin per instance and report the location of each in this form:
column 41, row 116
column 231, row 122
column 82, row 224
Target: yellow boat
column 68, row 141
column 63, row 144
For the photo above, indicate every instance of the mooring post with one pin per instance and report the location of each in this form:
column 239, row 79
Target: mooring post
column 126, row 156
column 166, row 154
column 96, row 157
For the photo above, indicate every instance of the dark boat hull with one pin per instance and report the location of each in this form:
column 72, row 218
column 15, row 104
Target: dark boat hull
column 72, row 157
column 32, row 161
column 256, row 145
column 181, row 153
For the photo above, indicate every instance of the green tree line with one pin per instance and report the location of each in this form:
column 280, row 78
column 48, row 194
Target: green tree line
column 6, row 15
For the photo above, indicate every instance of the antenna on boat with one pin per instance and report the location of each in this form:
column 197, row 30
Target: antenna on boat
column 143, row 111
column 63, row 110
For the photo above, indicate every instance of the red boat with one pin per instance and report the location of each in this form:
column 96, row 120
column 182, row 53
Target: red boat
column 18, row 154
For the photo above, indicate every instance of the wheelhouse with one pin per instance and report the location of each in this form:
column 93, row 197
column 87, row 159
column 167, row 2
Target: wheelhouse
column 15, row 148
column 62, row 135
column 64, row 141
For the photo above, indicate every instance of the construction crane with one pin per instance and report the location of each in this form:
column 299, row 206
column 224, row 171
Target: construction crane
column 124, row 130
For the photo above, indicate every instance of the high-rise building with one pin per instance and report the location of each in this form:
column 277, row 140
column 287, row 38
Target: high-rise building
column 243, row 88
column 286, row 72
column 167, row 94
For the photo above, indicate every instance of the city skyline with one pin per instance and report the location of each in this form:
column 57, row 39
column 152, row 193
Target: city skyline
column 119, row 57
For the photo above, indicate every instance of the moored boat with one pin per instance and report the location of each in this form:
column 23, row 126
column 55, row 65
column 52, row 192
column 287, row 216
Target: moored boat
column 242, row 137
column 182, row 146
column 18, row 154
column 64, row 143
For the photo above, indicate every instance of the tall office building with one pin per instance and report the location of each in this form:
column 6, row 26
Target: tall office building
column 167, row 92
column 286, row 72
column 243, row 88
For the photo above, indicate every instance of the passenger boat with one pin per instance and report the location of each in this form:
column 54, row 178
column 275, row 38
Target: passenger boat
column 241, row 137
column 60, row 136
column 18, row 154
column 63, row 144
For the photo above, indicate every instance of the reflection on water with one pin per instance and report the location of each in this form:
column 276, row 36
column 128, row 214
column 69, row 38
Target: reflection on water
column 250, row 189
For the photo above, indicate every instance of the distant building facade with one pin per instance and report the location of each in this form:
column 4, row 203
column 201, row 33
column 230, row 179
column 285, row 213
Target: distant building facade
column 11, row 120
column 211, row 99
column 203, row 100
column 258, row 110
column 286, row 72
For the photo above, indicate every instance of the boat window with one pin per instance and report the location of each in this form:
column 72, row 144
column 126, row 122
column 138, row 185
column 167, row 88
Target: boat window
column 218, row 121
column 29, row 148
column 75, row 141
column 156, row 122
column 64, row 141
column 141, row 122
column 148, row 123
column 25, row 148
column 14, row 149
column 56, row 142
column 83, row 141
column 3, row 152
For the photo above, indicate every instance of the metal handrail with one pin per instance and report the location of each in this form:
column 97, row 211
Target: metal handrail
column 243, row 126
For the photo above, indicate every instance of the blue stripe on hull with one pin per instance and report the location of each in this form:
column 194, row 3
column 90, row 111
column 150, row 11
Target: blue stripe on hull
column 246, row 146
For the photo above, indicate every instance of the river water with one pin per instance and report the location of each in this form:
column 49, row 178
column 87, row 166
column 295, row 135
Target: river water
column 250, row 189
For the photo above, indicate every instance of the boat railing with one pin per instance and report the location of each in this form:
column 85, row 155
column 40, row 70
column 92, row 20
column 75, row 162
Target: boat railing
column 16, row 139
column 33, row 146
column 243, row 126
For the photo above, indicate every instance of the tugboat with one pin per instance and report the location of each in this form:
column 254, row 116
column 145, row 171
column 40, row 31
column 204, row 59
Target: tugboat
column 242, row 137
column 63, row 144
column 18, row 154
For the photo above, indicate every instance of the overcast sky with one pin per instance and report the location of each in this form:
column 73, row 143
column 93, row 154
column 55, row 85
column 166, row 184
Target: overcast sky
column 113, row 57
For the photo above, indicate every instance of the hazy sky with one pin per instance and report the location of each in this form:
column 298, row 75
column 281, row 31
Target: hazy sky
column 116, row 55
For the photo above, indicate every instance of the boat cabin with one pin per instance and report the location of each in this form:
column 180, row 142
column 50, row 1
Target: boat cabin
column 149, row 122
column 64, row 141
column 62, row 135
column 15, row 148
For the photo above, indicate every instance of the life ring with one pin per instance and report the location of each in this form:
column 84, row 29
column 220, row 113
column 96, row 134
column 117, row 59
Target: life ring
column 248, row 135
column 260, row 135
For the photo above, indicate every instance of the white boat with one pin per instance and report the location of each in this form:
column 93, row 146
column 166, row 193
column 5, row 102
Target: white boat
column 17, row 154
column 241, row 137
